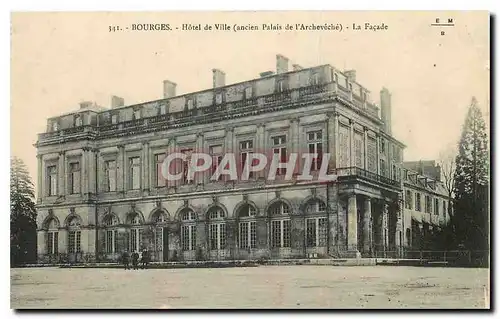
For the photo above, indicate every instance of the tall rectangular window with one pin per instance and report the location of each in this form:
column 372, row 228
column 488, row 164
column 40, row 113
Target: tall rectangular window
column 110, row 175
column 114, row 119
column 409, row 200
column 382, row 167
column 161, row 181
column 52, row 242
column 248, row 235
column 279, row 149
column 111, row 241
column 74, row 178
column 280, row 233
column 315, row 145
column 188, row 237
column 382, row 146
column 316, row 232
column 358, row 151
column 159, row 239
column 217, row 236
column 216, row 154
column 135, row 172
column 74, row 240
column 418, row 202
column 246, row 148
column 436, row 206
column 135, row 239
column 444, row 208
column 52, row 180
column 428, row 204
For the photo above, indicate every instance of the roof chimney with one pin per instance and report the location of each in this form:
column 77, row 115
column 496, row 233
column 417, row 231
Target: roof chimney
column 296, row 67
column 219, row 78
column 85, row 105
column 117, row 101
column 281, row 64
column 386, row 110
column 351, row 75
column 169, row 89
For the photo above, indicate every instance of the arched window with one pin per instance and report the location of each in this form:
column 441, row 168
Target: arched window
column 74, row 235
column 52, row 236
column 316, row 226
column 279, row 208
column 159, row 219
column 188, row 229
column 280, row 224
column 110, row 222
column 247, row 227
column 216, row 228
column 135, row 233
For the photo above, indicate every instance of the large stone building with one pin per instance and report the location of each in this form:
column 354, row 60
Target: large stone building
column 101, row 191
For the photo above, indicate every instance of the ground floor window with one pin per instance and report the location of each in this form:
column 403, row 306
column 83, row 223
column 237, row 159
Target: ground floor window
column 217, row 236
column 111, row 238
column 159, row 239
column 135, row 239
column 74, row 239
column 52, row 240
column 316, row 232
column 248, row 235
column 280, row 233
column 188, row 237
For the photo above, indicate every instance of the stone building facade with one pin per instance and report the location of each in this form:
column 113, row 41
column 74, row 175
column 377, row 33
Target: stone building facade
column 100, row 190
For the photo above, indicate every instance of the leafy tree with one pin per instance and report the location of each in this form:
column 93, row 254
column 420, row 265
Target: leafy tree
column 22, row 214
column 471, row 182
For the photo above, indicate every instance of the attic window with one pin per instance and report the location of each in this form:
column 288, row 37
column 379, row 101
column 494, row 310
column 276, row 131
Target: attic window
column 248, row 92
column 218, row 98
column 55, row 126
column 114, row 118
column 78, row 120
column 137, row 114
column 189, row 104
column 315, row 79
column 281, row 86
column 163, row 109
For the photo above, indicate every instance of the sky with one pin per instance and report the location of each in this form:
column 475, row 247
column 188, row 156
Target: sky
column 61, row 59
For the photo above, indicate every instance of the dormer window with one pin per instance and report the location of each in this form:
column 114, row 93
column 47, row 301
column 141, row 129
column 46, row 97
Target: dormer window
column 55, row 126
column 248, row 92
column 218, row 98
column 78, row 121
column 281, row 86
column 114, row 119
column 163, row 109
column 136, row 115
column 315, row 79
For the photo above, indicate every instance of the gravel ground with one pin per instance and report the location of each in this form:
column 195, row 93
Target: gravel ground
column 256, row 287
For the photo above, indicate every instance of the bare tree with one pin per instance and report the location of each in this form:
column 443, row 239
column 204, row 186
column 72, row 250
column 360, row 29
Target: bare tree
column 446, row 161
